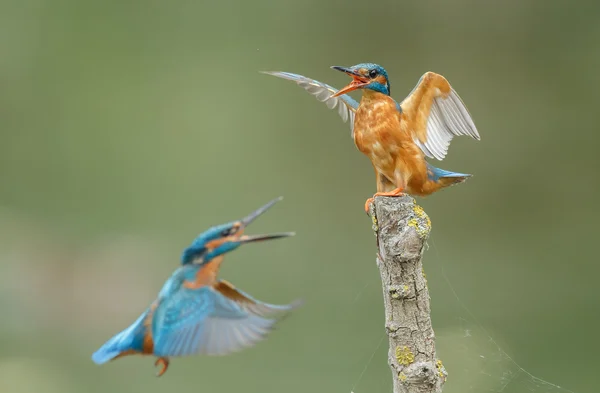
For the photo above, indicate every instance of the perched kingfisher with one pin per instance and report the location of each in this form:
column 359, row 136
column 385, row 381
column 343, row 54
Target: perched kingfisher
column 196, row 313
column 398, row 136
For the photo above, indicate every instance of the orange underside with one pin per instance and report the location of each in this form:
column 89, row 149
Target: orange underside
column 127, row 353
column 148, row 345
column 385, row 135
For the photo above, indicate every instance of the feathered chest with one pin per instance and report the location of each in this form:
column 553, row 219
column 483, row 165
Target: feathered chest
column 377, row 125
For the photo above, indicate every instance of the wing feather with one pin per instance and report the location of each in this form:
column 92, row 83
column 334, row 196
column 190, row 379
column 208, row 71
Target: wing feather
column 446, row 116
column 223, row 333
column 346, row 105
column 249, row 303
column 205, row 321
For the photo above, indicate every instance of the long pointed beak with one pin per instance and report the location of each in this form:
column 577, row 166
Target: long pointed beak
column 260, row 238
column 255, row 214
column 358, row 81
column 346, row 71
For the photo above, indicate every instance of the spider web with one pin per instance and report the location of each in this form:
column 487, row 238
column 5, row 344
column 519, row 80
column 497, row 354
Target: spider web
column 480, row 364
column 475, row 361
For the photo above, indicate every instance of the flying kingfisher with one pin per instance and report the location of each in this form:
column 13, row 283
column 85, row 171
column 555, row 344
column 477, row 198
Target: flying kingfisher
column 196, row 313
column 398, row 136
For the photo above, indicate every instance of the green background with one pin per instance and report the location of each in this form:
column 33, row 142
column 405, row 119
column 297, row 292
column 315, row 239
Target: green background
column 128, row 127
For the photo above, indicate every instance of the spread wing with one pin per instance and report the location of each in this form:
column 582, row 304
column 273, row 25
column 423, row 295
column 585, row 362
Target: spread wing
column 345, row 104
column 203, row 321
column 249, row 303
column 439, row 115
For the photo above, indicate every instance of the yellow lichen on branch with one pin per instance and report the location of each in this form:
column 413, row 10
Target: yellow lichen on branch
column 404, row 355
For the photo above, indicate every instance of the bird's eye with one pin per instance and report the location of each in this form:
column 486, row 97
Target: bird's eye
column 373, row 73
column 230, row 231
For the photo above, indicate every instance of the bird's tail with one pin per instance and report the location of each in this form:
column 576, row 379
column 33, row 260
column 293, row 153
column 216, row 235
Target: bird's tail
column 443, row 178
column 129, row 340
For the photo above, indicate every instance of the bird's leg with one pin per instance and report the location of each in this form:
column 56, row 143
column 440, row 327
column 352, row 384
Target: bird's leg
column 383, row 183
column 398, row 184
column 165, row 364
column 394, row 193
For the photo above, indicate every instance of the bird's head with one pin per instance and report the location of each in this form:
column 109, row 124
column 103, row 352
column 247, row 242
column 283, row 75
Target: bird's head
column 365, row 76
column 224, row 238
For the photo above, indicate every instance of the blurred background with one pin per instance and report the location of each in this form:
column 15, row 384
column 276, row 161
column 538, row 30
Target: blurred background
column 128, row 127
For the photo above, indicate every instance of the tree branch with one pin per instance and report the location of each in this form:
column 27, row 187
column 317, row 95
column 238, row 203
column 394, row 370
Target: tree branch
column 402, row 229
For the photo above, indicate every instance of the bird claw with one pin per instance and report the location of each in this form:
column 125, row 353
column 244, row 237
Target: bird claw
column 165, row 365
column 394, row 193
column 397, row 192
column 368, row 205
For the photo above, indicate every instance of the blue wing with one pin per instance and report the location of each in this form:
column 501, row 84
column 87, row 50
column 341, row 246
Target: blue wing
column 346, row 105
column 203, row 321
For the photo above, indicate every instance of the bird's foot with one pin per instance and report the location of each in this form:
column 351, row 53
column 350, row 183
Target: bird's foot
column 368, row 204
column 165, row 365
column 394, row 193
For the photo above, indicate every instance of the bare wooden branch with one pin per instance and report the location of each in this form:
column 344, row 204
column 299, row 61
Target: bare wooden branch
column 402, row 229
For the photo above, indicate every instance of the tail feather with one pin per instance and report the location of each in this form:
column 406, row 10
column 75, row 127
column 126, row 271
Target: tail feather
column 120, row 343
column 445, row 178
column 104, row 355
column 130, row 339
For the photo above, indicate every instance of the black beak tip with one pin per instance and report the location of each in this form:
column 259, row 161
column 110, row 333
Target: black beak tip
column 345, row 70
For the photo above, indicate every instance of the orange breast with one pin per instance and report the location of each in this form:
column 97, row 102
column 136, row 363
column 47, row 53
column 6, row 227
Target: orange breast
column 375, row 123
column 380, row 132
column 377, row 130
column 206, row 275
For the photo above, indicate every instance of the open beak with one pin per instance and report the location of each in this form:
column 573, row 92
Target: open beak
column 253, row 216
column 358, row 81
column 260, row 238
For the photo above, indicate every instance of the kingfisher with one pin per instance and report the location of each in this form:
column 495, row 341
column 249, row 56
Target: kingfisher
column 197, row 313
column 397, row 137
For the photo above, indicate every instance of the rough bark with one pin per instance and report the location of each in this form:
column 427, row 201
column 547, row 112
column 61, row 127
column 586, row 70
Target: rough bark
column 402, row 229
